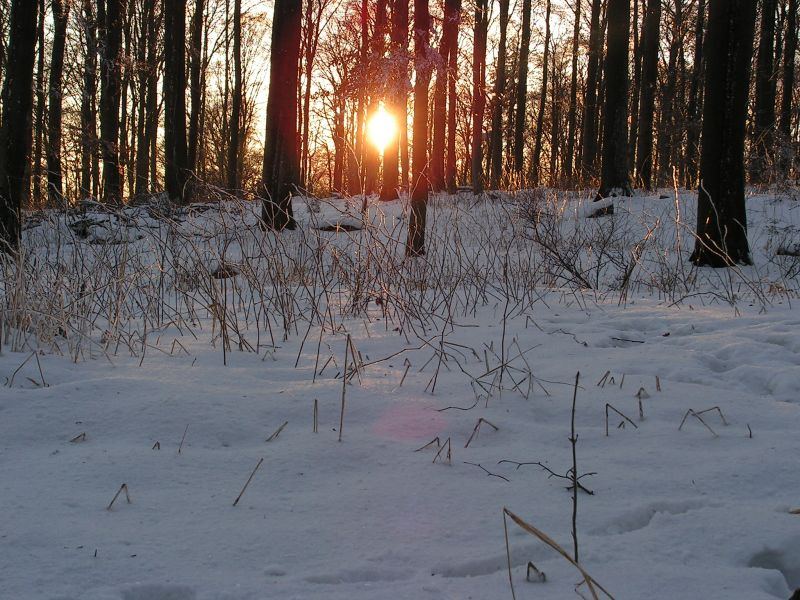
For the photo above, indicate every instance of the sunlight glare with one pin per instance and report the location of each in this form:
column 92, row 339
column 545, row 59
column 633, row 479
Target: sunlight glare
column 381, row 128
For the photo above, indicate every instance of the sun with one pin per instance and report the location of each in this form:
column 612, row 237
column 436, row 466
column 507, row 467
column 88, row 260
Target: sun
column 381, row 128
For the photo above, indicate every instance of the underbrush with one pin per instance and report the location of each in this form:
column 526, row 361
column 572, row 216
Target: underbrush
column 101, row 281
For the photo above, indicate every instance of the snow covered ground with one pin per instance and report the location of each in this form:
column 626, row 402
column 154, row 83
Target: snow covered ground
column 495, row 327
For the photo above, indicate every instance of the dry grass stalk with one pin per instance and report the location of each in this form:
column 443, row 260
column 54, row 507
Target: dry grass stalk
column 314, row 414
column 602, row 382
column 449, row 456
column 433, row 441
column 477, row 428
column 344, row 387
column 532, row 570
column 156, row 446
column 621, row 415
column 122, row 488
column 249, row 479
column 527, row 527
column 180, row 446
column 277, row 431
column 81, row 437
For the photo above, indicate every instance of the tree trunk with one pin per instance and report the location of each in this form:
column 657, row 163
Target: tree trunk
column 478, row 92
column 522, row 91
column 35, row 170
column 496, row 140
column 15, row 130
column 110, row 93
column 721, row 214
column 232, row 179
column 589, row 144
column 614, row 173
column 667, row 122
column 695, row 100
column 572, row 114
column 788, row 87
column 647, row 95
column 196, row 88
column 88, row 104
column 54, row 187
column 453, row 18
column 176, row 173
column 415, row 244
column 764, row 110
column 397, row 95
column 537, row 148
column 281, row 165
column 437, row 168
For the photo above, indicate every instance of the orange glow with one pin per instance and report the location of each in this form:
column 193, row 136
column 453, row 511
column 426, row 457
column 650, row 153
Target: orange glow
column 381, row 128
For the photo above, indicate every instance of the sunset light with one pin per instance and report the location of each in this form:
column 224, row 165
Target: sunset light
column 381, row 128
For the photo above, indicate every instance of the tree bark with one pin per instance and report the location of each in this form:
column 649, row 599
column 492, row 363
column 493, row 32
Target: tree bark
column 54, row 176
column 764, row 109
column 176, row 172
column 721, row 214
column 614, row 172
column 280, row 170
column 537, row 147
column 110, row 93
column 590, row 116
column 522, row 92
column 499, row 101
column 15, row 130
column 478, row 92
column 397, row 98
column 195, row 83
column 232, row 179
column 693, row 123
column 453, row 16
column 415, row 244
column 647, row 95
column 788, row 78
column 572, row 111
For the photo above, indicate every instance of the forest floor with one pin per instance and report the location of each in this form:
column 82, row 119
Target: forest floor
column 706, row 510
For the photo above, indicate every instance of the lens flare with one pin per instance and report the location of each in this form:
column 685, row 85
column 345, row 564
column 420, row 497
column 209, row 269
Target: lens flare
column 381, row 128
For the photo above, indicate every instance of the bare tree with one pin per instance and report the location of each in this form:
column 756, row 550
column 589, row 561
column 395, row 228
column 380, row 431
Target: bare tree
column 721, row 216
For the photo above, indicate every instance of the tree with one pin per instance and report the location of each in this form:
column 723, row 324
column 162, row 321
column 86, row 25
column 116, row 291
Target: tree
column 176, row 157
column 110, row 97
column 721, row 216
column 589, row 145
column 614, row 173
column 764, row 110
column 15, row 130
column 90, row 166
column 54, row 174
column 572, row 111
column 788, row 84
column 537, row 147
column 478, row 92
column 522, row 90
column 236, row 104
column 281, row 166
column 397, row 96
column 647, row 94
column 496, row 140
column 196, row 81
column 415, row 244
column 695, row 98
column 452, row 19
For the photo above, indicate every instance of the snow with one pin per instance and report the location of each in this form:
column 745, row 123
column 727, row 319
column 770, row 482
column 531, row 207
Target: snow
column 704, row 511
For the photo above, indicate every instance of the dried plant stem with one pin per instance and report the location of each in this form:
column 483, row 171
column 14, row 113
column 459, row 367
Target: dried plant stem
column 574, row 441
column 123, row 487
column 344, row 386
column 180, row 447
column 277, row 431
column 249, row 479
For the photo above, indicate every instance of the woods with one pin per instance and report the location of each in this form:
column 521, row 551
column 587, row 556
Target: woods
column 190, row 96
